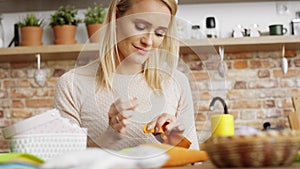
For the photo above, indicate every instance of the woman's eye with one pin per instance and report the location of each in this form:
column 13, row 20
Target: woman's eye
column 140, row 26
column 160, row 33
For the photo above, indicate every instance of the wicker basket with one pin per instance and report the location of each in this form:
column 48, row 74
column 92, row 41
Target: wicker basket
column 273, row 148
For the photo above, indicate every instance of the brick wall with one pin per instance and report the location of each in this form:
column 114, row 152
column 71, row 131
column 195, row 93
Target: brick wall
column 254, row 88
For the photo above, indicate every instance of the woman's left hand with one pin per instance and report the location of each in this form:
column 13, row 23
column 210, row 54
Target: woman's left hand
column 168, row 123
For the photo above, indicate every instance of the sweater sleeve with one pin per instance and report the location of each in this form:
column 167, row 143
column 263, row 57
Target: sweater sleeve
column 65, row 100
column 185, row 110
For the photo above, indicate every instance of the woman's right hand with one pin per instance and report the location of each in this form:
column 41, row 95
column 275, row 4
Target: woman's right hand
column 119, row 112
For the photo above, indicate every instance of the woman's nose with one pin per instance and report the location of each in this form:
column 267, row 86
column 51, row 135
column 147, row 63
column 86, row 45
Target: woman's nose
column 147, row 39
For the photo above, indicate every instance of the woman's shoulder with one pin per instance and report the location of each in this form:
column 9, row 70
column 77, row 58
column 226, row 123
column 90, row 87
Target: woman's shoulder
column 80, row 74
column 87, row 70
column 180, row 76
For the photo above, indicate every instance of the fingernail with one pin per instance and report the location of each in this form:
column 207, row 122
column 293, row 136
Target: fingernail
column 149, row 127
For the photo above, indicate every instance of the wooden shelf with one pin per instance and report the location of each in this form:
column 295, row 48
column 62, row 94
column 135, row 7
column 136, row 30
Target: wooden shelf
column 245, row 44
column 50, row 52
column 65, row 52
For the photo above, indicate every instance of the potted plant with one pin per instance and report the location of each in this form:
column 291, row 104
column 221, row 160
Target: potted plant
column 31, row 30
column 93, row 20
column 64, row 24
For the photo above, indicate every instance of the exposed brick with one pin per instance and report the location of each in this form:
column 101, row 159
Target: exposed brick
column 4, row 74
column 17, row 104
column 17, row 83
column 254, row 64
column 285, row 103
column 51, row 82
column 196, row 66
column 200, row 117
column 235, row 94
column 240, row 64
column 5, row 66
column 297, row 62
column 240, row 85
column 58, row 72
column 274, row 55
column 242, row 55
column 265, row 63
column 211, row 65
column 4, row 123
column 290, row 73
column 258, row 84
column 287, row 83
column 7, row 83
column 3, row 94
column 21, row 93
column 18, row 73
column 4, row 103
column 241, row 75
column 41, row 92
column 205, row 95
column 273, row 113
column 246, row 104
column 263, row 74
column 290, row 53
column 20, row 113
column 51, row 92
column 39, row 103
column 269, row 104
column 248, row 115
column 198, row 76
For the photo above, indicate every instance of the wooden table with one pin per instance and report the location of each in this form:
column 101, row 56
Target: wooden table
column 208, row 165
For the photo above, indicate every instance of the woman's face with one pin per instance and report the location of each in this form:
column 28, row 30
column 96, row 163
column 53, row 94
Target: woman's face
column 141, row 29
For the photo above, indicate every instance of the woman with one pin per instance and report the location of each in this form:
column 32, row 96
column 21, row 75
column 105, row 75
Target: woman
column 133, row 83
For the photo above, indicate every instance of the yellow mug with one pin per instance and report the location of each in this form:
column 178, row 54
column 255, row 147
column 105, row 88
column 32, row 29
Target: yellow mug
column 222, row 125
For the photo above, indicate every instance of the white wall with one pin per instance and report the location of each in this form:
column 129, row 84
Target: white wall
column 228, row 16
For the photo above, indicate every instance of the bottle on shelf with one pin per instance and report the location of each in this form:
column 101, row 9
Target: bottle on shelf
column 211, row 30
column 1, row 33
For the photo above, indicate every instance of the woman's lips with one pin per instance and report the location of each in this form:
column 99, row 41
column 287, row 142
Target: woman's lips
column 141, row 50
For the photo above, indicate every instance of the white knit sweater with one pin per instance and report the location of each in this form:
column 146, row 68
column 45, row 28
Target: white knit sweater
column 78, row 99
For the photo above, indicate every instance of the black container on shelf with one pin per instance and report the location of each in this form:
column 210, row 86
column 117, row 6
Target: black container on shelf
column 211, row 30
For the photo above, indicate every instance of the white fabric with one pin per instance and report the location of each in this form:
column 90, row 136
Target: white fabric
column 93, row 158
column 77, row 99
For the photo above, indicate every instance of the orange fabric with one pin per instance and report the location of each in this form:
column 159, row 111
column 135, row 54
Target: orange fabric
column 180, row 156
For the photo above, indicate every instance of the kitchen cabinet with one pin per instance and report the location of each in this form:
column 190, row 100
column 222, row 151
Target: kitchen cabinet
column 9, row 6
column 65, row 52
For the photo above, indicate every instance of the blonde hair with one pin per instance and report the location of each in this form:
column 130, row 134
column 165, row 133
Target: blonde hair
column 108, row 53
